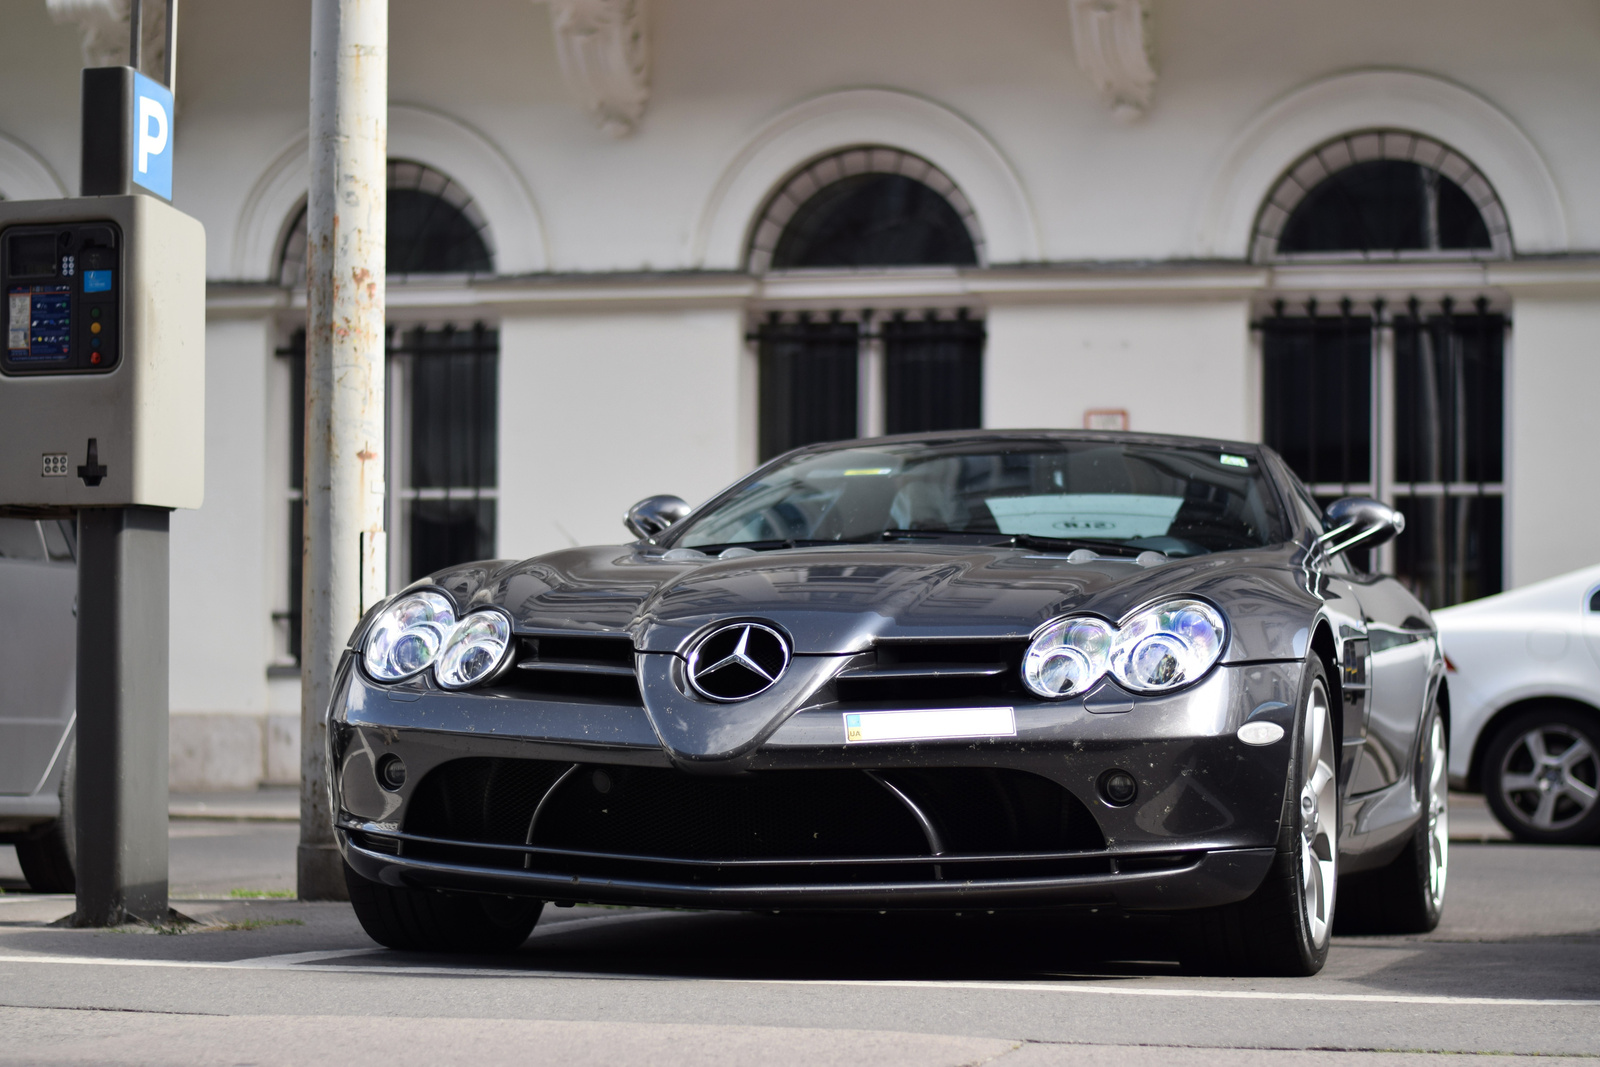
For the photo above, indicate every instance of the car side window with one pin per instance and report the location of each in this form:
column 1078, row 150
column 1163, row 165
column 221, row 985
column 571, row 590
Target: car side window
column 1594, row 600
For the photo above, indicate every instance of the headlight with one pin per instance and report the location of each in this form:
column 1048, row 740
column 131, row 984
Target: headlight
column 1068, row 656
column 1161, row 648
column 407, row 635
column 475, row 650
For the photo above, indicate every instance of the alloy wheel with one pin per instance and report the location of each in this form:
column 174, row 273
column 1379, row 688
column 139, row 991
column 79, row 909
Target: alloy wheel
column 1319, row 816
column 1550, row 777
column 1438, row 801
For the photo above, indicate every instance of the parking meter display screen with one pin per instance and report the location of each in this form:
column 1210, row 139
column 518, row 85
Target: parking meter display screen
column 33, row 255
column 63, row 303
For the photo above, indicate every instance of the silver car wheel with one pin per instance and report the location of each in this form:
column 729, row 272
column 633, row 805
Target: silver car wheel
column 1319, row 817
column 1438, row 801
column 1550, row 776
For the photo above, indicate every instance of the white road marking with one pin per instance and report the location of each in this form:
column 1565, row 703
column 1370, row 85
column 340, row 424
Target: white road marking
column 298, row 961
column 287, row 958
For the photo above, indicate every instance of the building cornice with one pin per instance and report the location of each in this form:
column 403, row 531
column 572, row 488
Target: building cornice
column 417, row 299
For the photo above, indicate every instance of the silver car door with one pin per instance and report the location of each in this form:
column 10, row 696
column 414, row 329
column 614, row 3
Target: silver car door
column 38, row 641
column 1402, row 654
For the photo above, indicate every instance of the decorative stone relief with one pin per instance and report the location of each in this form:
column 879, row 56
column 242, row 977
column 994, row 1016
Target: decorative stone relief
column 604, row 52
column 1112, row 40
column 104, row 25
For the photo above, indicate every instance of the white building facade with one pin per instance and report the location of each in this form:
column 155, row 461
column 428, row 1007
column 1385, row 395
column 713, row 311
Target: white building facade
column 638, row 245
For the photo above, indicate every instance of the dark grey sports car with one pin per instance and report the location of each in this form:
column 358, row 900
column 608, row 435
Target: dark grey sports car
column 944, row 671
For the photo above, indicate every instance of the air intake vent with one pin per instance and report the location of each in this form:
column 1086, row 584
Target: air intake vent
column 583, row 665
column 934, row 670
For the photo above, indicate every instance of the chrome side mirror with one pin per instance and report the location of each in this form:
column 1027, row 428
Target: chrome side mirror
column 654, row 514
column 1359, row 522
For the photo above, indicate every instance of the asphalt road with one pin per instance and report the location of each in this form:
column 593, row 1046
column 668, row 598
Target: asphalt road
column 1514, row 969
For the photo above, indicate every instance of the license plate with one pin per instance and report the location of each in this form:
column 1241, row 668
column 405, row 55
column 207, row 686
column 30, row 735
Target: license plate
column 929, row 725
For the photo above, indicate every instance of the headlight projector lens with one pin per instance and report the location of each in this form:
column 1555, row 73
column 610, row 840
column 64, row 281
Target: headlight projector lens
column 475, row 650
column 1160, row 648
column 406, row 637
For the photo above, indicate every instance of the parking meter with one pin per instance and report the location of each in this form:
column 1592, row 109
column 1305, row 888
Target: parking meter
column 102, row 378
column 102, row 415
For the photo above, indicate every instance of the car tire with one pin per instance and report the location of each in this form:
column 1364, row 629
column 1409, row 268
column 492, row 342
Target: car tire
column 1406, row 896
column 48, row 855
column 1284, row 927
column 428, row 920
column 1541, row 776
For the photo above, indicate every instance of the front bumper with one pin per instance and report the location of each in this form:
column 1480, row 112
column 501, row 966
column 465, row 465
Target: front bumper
column 1201, row 832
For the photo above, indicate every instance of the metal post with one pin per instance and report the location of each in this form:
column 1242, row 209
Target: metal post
column 345, row 556
column 172, row 47
column 122, row 716
column 135, row 33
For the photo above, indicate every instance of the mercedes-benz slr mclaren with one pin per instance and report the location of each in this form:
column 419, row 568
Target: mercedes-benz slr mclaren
column 974, row 670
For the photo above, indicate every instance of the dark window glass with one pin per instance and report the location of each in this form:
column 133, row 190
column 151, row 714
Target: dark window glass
column 1594, row 601
column 809, row 384
column 447, row 532
column 428, row 235
column 452, row 392
column 934, row 375
column 1449, row 398
column 1384, row 205
column 296, row 354
column 1452, row 548
column 1317, row 394
column 454, row 421
column 874, row 220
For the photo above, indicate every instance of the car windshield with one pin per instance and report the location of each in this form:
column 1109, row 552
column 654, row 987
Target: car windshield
column 1105, row 495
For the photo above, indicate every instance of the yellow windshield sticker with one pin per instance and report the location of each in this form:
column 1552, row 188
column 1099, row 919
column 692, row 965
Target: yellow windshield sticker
column 866, row 470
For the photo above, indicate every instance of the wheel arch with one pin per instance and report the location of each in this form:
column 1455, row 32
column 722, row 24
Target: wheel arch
column 1326, row 647
column 1497, row 721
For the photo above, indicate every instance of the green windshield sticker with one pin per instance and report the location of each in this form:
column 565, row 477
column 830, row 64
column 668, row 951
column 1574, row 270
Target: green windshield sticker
column 866, row 470
column 1116, row 515
column 1234, row 461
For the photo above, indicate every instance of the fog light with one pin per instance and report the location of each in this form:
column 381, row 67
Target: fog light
column 391, row 772
column 1118, row 788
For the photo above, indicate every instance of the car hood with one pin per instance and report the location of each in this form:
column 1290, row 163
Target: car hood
column 836, row 600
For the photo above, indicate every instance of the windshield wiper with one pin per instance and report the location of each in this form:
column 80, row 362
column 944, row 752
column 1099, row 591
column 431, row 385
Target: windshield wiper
column 762, row 546
column 1093, row 544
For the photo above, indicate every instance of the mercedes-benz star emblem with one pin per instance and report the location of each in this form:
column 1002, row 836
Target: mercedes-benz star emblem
column 737, row 661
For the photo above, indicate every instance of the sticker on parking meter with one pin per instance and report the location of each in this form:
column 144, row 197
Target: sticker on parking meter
column 152, row 136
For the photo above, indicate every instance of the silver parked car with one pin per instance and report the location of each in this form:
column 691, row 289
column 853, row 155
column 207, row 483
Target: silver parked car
column 1525, row 705
column 38, row 656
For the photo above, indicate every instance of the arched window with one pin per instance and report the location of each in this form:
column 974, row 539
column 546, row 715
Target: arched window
column 836, row 372
column 1382, row 194
column 866, row 207
column 434, row 227
column 1377, row 389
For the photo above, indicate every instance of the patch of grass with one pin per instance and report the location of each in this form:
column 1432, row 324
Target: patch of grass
column 261, row 894
column 255, row 924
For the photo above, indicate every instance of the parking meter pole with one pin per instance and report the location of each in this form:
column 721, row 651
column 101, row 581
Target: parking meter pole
column 122, row 715
column 345, row 559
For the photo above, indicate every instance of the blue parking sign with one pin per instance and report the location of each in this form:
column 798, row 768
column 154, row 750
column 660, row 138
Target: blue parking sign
column 152, row 136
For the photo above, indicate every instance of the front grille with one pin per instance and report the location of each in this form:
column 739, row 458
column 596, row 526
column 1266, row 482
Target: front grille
column 935, row 670
column 583, row 666
column 790, row 827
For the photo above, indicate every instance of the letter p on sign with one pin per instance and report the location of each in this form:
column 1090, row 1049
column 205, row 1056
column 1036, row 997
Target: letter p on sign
column 152, row 136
